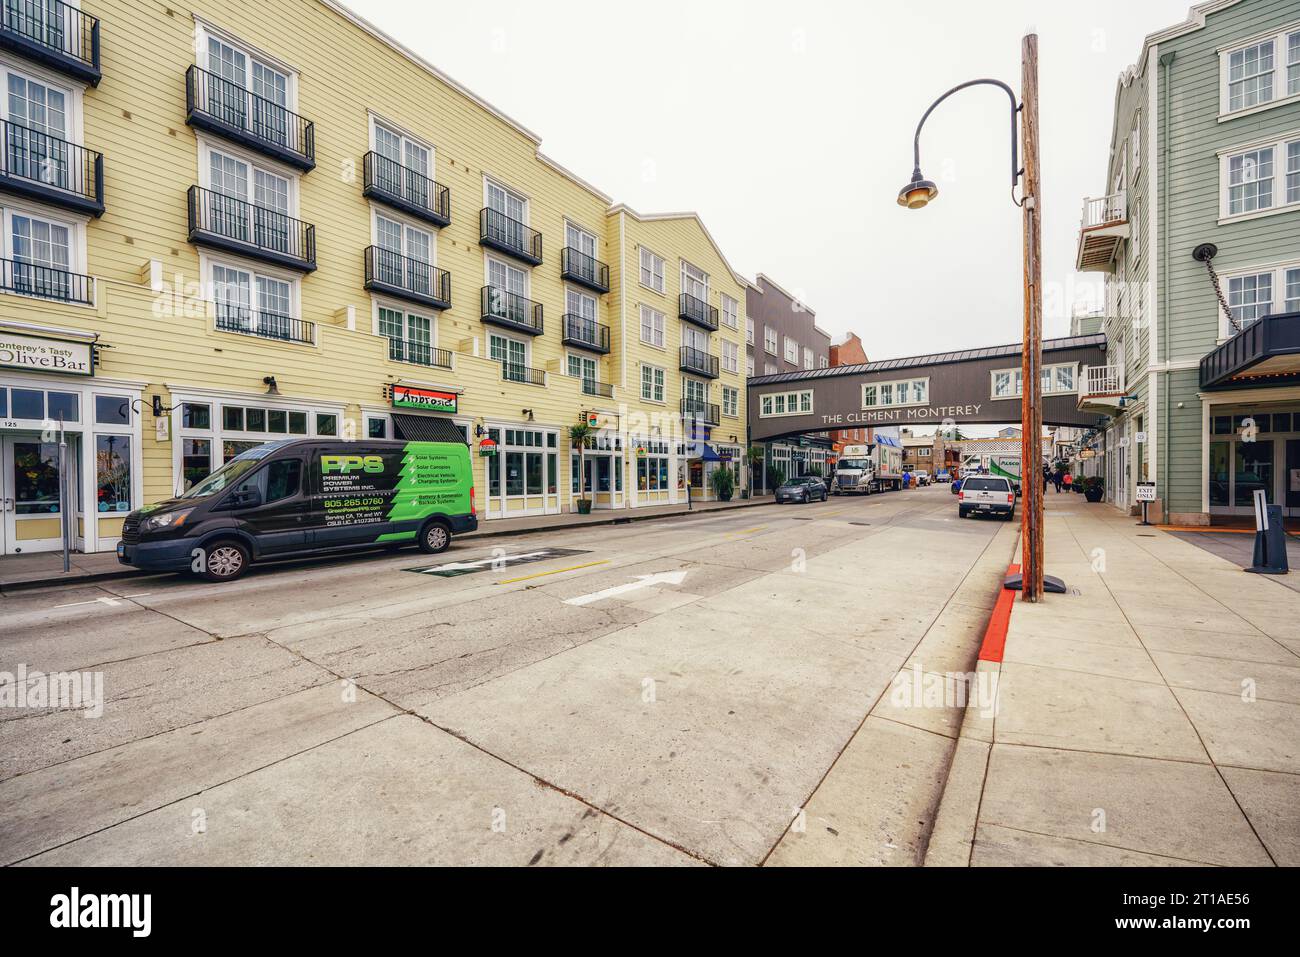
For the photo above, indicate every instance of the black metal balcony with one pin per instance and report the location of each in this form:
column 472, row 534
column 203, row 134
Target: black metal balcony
column 264, row 325
column 498, row 231
column 224, row 222
column 411, row 279
column 697, row 311
column 46, row 282
column 697, row 411
column 603, row 389
column 419, row 353
column 700, row 363
column 54, row 34
column 514, row 372
column 585, row 334
column 222, row 106
column 387, row 181
column 510, row 311
column 1268, row 347
column 50, row 170
column 577, row 266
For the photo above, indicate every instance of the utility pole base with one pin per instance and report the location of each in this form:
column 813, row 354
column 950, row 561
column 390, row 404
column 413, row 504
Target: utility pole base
column 1051, row 584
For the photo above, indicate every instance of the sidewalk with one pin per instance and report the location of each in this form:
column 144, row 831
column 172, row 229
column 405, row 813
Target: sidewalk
column 41, row 569
column 1149, row 717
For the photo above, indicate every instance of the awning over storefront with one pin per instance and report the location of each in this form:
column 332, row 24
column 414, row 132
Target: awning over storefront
column 1266, row 352
column 426, row 428
column 710, row 454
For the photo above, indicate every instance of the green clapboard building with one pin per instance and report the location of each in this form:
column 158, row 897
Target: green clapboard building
column 1201, row 387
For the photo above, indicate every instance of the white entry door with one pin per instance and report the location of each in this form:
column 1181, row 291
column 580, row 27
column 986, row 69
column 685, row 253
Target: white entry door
column 29, row 491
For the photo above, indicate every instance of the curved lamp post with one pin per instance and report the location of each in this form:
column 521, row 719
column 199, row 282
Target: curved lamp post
column 920, row 192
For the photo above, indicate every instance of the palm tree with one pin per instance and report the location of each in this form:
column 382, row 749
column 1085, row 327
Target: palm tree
column 580, row 435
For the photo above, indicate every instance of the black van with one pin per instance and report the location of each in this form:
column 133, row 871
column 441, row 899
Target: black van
column 306, row 497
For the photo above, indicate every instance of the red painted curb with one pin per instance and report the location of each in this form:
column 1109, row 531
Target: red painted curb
column 995, row 636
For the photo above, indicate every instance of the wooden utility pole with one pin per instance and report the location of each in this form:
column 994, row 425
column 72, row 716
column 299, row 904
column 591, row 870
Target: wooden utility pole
column 1031, row 417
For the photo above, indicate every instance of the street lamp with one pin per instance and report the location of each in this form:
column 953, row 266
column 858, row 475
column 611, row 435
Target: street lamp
column 920, row 192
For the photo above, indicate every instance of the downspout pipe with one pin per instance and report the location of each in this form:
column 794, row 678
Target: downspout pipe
column 1166, row 62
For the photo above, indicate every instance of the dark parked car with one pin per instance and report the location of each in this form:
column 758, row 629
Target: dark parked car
column 805, row 488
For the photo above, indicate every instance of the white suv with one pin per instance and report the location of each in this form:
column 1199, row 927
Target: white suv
column 986, row 495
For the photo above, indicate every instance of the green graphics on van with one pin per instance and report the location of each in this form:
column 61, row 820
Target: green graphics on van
column 395, row 490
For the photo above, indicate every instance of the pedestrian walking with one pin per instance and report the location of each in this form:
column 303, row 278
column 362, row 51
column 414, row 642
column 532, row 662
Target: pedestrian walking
column 1057, row 479
column 1047, row 477
column 1068, row 482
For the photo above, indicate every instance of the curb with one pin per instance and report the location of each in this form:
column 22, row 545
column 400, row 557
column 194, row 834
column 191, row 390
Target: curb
column 953, row 834
column 94, row 577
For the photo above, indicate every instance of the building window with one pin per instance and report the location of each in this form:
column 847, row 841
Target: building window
column 511, row 353
column 730, row 400
column 786, row 403
column 583, row 367
column 113, row 473
column 730, row 311
column 1293, row 172
column 652, row 326
column 749, row 365
column 211, row 437
column 1250, row 297
column 1250, row 181
column 791, row 351
column 907, row 392
column 730, row 356
column 769, row 340
column 1250, row 76
column 251, row 302
column 823, row 362
column 807, row 358
column 1292, row 301
column 749, row 330
column 652, row 270
column 1058, row 379
column 652, row 383
column 695, row 281
column 652, row 466
column 769, row 368
column 401, row 150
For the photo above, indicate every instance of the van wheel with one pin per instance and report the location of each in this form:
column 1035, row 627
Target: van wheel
column 435, row 537
column 225, row 561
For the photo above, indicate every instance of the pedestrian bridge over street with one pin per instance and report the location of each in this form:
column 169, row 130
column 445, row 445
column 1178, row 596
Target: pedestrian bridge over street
column 975, row 386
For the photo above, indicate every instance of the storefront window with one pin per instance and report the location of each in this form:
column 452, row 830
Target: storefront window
column 552, row 480
column 232, row 418
column 277, row 421
column 63, row 406
column 196, row 460
column 36, row 478
column 1254, row 470
column 113, row 473
column 534, row 473
column 28, row 404
column 229, row 449
column 112, row 410
column 514, row 473
column 195, row 415
column 1220, row 454
column 327, row 424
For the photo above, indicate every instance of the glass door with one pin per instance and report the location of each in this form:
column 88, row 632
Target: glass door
column 30, row 493
column 1292, row 477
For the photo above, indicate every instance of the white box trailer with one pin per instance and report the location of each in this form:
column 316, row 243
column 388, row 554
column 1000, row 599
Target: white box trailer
column 865, row 469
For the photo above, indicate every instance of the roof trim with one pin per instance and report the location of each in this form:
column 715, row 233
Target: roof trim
column 940, row 358
column 767, row 280
column 689, row 214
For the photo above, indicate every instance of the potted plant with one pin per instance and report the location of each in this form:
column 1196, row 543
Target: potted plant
column 1093, row 489
column 580, row 435
column 724, row 483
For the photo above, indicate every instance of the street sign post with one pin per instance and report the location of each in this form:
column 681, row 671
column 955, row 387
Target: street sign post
column 1270, row 538
column 1146, row 494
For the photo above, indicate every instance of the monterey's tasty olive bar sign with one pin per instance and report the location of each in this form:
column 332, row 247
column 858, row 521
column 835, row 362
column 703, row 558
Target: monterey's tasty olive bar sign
column 430, row 400
column 44, row 355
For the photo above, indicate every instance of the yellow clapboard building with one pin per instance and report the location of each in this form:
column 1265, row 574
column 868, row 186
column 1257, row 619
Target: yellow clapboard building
column 231, row 222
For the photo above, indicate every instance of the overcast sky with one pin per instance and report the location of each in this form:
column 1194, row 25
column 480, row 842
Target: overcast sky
column 788, row 127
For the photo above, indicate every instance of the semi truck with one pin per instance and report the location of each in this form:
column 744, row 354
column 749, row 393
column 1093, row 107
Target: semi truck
column 865, row 469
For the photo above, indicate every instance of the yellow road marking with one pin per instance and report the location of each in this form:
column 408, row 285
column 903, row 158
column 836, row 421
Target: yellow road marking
column 574, row 568
column 746, row 531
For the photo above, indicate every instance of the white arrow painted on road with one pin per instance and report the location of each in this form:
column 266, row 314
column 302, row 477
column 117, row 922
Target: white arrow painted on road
column 642, row 581
column 111, row 602
column 482, row 563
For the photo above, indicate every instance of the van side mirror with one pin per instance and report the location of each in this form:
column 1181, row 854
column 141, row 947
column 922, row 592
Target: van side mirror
column 245, row 498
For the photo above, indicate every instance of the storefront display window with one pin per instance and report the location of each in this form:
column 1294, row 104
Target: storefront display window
column 113, row 473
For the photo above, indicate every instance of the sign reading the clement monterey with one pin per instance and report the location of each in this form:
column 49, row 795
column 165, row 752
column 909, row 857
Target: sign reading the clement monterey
column 890, row 416
column 45, row 355
column 431, row 400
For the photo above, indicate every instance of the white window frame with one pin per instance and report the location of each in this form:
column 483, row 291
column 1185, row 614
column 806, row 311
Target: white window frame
column 254, row 162
column 770, row 344
column 203, row 30
column 525, row 341
column 655, row 267
column 731, row 399
column 73, row 95
column 407, row 311
column 749, row 366
column 406, row 223
column 702, row 278
column 406, row 136
column 254, row 268
column 1278, row 271
column 809, row 360
column 895, row 385
column 658, row 325
column 770, row 368
column 730, row 356
column 1280, row 95
column 730, row 310
column 489, row 181
column 1049, row 371
column 791, row 353
column 769, row 402
column 76, row 227
column 527, row 274
column 1280, row 148
column 658, row 383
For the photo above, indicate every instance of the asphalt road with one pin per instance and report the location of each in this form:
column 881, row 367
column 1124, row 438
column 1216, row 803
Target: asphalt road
column 694, row 690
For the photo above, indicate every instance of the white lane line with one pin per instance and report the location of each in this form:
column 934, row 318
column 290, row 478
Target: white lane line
column 112, row 602
column 642, row 581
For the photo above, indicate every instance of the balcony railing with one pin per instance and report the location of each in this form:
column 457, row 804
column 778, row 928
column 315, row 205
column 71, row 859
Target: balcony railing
column 238, row 226
column 1103, row 380
column 224, row 107
column 585, row 333
column 51, row 170
column 603, row 389
column 697, row 311
column 699, row 363
column 264, row 325
column 46, row 282
column 498, row 231
column 53, row 33
column 419, row 353
column 411, row 279
column 577, row 266
column 699, row 411
column 406, row 189
column 1104, row 210
column 514, row 372
column 514, row 312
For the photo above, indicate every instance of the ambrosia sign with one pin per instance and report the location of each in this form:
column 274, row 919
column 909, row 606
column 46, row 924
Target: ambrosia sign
column 44, row 355
column 409, row 397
